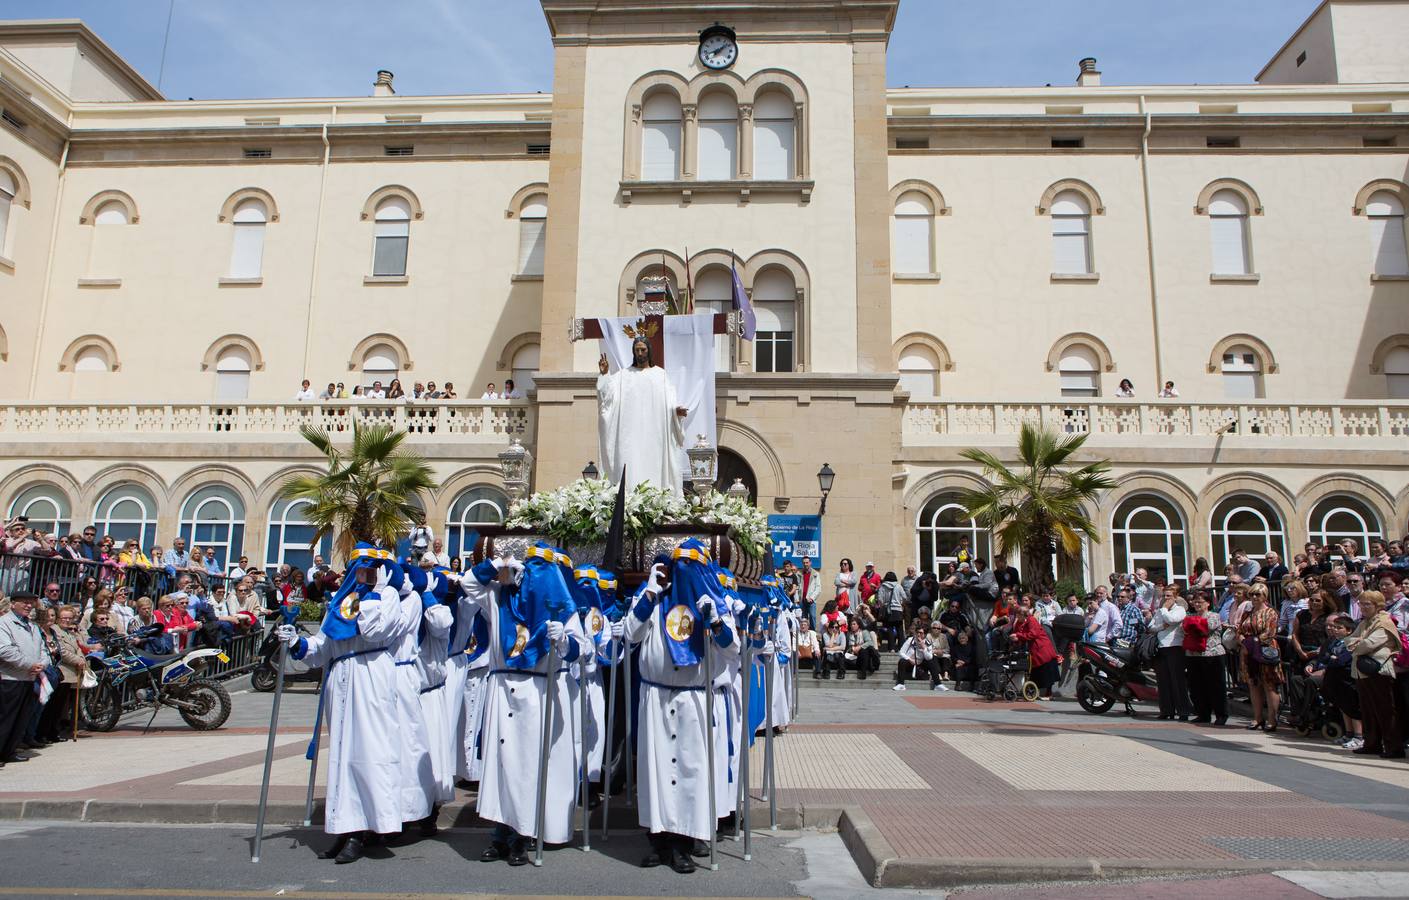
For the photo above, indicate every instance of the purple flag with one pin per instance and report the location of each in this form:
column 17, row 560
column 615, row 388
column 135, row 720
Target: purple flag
column 741, row 303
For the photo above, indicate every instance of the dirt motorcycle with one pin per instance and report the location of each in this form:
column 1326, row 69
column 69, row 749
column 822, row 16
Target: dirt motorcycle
column 129, row 679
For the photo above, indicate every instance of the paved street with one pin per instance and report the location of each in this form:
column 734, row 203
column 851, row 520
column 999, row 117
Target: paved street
column 941, row 790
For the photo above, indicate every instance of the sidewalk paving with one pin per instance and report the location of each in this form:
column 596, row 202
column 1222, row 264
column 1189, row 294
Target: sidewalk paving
column 927, row 789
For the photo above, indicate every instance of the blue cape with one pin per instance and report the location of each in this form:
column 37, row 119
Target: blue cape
column 340, row 620
column 525, row 611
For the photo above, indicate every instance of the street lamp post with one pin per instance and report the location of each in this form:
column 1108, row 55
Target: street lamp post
column 825, row 478
column 590, row 473
column 704, row 468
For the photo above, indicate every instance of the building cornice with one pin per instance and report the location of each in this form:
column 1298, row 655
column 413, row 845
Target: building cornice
column 92, row 44
column 41, row 130
column 597, row 22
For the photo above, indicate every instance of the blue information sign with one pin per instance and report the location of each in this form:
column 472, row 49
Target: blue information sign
column 795, row 537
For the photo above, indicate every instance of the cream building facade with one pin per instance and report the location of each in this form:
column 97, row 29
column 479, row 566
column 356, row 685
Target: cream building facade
column 931, row 268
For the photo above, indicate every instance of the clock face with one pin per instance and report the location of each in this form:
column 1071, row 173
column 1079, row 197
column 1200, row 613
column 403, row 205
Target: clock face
column 718, row 51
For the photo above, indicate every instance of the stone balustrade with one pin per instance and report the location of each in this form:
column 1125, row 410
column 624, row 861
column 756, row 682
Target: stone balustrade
column 456, row 421
column 1246, row 422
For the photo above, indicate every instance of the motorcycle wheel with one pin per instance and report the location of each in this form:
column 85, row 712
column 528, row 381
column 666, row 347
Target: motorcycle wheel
column 212, row 703
column 1091, row 699
column 102, row 708
column 1333, row 731
column 263, row 677
column 1030, row 692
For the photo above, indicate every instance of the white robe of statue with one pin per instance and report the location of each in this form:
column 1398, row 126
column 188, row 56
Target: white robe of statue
column 638, row 427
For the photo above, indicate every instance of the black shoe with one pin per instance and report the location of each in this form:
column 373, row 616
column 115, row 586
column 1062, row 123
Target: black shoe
column 35, row 744
column 428, row 826
column 1399, row 755
column 351, row 851
column 518, row 854
column 1255, row 726
column 1201, row 720
column 1186, row 718
column 681, row 862
column 20, row 756
column 1366, row 751
column 1220, row 723
column 699, row 849
column 333, row 851
column 653, row 859
column 494, row 852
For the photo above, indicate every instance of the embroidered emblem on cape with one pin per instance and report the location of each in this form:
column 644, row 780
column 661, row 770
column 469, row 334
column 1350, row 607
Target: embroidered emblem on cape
column 680, row 623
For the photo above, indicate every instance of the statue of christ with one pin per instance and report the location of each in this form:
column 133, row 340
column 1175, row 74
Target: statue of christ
column 639, row 422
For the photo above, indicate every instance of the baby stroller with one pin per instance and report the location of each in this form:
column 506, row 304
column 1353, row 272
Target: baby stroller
column 1310, row 711
column 1006, row 676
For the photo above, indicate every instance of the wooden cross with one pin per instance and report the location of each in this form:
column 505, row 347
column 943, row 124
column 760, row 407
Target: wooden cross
column 652, row 307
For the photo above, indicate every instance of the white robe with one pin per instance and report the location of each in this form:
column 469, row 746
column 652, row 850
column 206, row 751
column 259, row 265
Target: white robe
column 596, row 700
column 638, row 428
column 783, row 673
column 417, row 776
column 464, row 700
column 440, row 725
column 360, row 700
column 513, row 733
column 672, row 766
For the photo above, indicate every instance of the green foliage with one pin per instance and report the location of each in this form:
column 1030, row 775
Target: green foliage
column 1037, row 510
column 369, row 492
column 1067, row 586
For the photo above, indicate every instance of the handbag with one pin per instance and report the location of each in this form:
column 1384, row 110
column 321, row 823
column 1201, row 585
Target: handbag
column 1367, row 665
column 1147, row 646
column 1229, row 639
column 1270, row 653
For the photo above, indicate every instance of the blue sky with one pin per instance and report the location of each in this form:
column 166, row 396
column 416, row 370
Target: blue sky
column 313, row 48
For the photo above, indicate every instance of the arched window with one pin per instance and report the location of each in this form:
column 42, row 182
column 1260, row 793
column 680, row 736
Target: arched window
column 775, row 307
column 524, row 366
column 127, row 512
column 213, row 517
column 1228, row 234
column 114, row 212
column 733, row 466
column 1386, row 214
column 941, row 524
column 105, row 256
column 919, row 372
column 8, row 189
column 1148, row 532
column 291, row 537
column 92, row 358
column 46, row 506
column 714, row 293
column 391, row 237
column 380, row 363
column 480, row 505
column 913, row 235
column 718, row 136
column 1396, row 369
column 232, row 374
column 1071, row 234
column 1080, row 371
column 247, row 245
column 660, row 137
column 1339, row 517
column 533, row 233
column 653, row 272
column 1245, row 522
column 1242, row 373
column 774, row 137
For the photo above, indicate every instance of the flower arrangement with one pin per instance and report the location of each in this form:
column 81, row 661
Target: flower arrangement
column 581, row 512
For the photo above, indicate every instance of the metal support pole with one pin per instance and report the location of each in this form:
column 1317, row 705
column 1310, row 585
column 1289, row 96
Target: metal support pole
column 610, row 734
column 709, row 747
column 741, row 816
column 541, row 813
column 269, row 753
column 768, row 775
column 627, row 697
column 582, row 683
column 313, row 765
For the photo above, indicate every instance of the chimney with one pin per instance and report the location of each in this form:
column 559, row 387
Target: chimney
column 382, row 87
column 1089, row 76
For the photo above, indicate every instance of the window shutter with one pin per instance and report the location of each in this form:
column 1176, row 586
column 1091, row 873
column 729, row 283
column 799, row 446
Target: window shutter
column 1397, row 373
column 773, row 150
column 5, row 200
column 660, row 153
column 232, row 385
column 247, row 250
column 1070, row 248
column 1228, row 235
column 719, row 146
column 919, row 373
column 524, row 365
column 912, row 245
column 532, row 245
column 1391, row 256
column 714, row 293
column 1240, row 385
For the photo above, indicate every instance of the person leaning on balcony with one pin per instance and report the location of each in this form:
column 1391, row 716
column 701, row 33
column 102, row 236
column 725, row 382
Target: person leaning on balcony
column 305, row 393
column 1169, row 391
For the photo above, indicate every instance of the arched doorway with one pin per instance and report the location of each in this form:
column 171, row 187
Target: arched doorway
column 731, row 466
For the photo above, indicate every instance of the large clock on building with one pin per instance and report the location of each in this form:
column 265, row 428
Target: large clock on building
column 719, row 47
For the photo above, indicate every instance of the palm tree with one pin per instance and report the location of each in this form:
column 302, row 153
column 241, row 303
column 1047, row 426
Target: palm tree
column 1038, row 510
column 369, row 491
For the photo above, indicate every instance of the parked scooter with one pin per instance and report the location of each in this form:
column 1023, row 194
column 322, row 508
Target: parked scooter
column 266, row 671
column 1111, row 673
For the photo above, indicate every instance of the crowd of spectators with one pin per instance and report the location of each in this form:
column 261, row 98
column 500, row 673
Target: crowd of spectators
column 1324, row 639
column 392, row 390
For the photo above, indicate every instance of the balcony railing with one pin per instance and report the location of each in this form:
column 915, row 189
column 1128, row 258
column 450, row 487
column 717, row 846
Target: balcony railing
column 1259, row 420
column 468, row 421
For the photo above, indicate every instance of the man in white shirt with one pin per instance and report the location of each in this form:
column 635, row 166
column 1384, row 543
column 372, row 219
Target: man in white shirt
column 489, row 393
column 305, row 392
column 438, row 555
column 376, row 391
column 917, row 654
column 1105, row 625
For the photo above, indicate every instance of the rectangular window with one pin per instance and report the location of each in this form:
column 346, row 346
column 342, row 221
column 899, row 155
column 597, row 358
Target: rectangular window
column 773, row 351
column 247, row 251
column 261, row 121
column 1230, row 255
column 389, row 253
column 400, row 151
column 919, row 384
column 539, row 149
column 912, row 245
column 1079, row 384
column 258, row 153
column 1379, row 142
column 4, row 218
column 773, row 150
column 232, row 385
column 1070, row 246
column 912, row 143
column 1387, row 233
column 532, row 244
column 1222, row 143
column 660, row 151
column 1068, row 143
column 12, row 119
column 719, row 151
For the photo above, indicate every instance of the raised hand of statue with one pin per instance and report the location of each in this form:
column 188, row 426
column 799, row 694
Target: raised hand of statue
column 681, row 411
column 602, row 364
